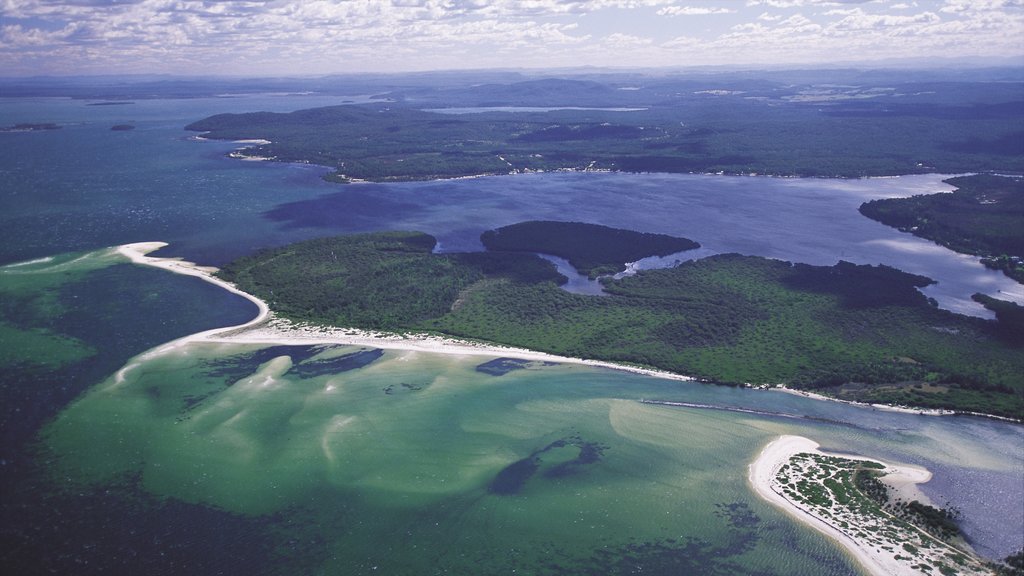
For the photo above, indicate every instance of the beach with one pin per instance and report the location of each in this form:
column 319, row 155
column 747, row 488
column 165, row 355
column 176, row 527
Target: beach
column 878, row 542
column 265, row 328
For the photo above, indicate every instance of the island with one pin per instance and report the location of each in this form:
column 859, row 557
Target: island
column 863, row 505
column 591, row 249
column 855, row 332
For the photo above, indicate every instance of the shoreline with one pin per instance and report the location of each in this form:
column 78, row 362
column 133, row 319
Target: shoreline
column 886, row 407
column 204, row 136
column 265, row 328
column 875, row 557
column 891, row 407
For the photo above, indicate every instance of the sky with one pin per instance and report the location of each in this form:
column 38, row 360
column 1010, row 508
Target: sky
column 314, row 37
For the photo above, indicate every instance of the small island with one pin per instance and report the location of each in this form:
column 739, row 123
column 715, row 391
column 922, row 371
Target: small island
column 861, row 503
column 855, row 332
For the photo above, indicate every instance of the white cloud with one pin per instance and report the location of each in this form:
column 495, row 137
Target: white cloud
column 857, row 19
column 271, row 36
column 619, row 40
column 692, row 11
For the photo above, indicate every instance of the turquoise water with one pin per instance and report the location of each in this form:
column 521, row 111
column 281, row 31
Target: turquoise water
column 242, row 459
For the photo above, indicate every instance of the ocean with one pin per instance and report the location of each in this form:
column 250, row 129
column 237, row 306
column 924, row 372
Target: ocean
column 239, row 459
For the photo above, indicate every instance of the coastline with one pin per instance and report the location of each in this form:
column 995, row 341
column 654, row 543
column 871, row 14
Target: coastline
column 886, row 407
column 891, row 407
column 849, row 530
column 265, row 328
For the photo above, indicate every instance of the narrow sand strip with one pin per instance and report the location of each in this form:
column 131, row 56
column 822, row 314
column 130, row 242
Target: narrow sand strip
column 875, row 558
column 886, row 407
column 266, row 329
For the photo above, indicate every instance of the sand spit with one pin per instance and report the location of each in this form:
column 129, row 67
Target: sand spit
column 882, row 544
column 265, row 328
column 886, row 407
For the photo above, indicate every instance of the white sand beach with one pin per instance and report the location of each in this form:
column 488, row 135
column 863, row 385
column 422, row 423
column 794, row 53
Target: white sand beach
column 862, row 536
column 265, row 328
column 886, row 407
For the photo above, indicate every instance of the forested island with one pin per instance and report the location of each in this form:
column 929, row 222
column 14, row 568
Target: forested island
column 984, row 216
column 592, row 249
column 852, row 331
column 874, row 126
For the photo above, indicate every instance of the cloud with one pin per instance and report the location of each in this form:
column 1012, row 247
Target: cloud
column 801, row 3
column 321, row 36
column 619, row 40
column 858, row 20
column 692, row 11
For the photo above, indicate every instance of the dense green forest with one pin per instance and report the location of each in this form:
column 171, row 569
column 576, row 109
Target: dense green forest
column 677, row 124
column 857, row 332
column 983, row 216
column 592, row 249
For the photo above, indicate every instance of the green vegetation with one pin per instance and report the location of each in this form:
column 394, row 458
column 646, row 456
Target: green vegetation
column 731, row 319
column 1012, row 565
column 386, row 280
column 592, row 249
column 848, row 494
column 984, row 216
column 1010, row 316
column 678, row 129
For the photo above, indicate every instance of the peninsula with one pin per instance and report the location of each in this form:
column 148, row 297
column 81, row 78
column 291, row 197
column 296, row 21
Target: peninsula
column 862, row 333
column 984, row 216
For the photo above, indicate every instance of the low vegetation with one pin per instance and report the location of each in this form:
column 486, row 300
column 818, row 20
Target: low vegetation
column 864, row 331
column 847, row 494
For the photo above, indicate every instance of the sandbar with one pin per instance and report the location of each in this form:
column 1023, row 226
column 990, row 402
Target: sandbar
column 864, row 540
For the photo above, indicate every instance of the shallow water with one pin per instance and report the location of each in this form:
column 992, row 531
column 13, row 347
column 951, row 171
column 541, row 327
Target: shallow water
column 342, row 461
column 433, row 464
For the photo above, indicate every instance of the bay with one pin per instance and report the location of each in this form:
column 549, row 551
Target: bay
column 329, row 472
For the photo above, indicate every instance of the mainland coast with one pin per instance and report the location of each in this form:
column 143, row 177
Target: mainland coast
column 265, row 328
